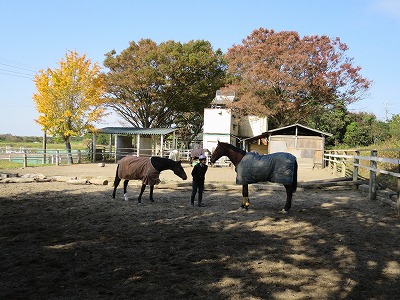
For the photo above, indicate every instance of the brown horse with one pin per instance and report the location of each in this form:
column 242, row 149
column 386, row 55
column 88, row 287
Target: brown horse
column 251, row 167
column 147, row 169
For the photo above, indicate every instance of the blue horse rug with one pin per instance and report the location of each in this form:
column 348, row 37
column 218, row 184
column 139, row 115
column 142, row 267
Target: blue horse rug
column 276, row 167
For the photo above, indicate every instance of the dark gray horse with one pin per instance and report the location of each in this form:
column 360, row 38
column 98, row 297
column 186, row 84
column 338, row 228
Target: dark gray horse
column 251, row 168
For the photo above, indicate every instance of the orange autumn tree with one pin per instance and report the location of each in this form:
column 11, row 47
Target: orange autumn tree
column 291, row 78
column 69, row 98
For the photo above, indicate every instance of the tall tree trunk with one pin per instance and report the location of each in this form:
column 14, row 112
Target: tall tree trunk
column 44, row 145
column 68, row 147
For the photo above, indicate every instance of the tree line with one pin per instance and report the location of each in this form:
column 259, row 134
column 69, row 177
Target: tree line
column 288, row 78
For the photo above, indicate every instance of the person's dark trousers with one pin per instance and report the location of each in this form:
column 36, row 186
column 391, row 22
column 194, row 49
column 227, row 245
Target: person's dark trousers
column 197, row 185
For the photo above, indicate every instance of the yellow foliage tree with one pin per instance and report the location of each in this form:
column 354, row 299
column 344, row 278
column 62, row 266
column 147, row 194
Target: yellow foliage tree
column 69, row 98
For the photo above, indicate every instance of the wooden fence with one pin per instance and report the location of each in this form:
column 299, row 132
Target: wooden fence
column 380, row 167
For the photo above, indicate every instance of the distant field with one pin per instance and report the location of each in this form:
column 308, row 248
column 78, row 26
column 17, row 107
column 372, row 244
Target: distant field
column 57, row 146
column 16, row 146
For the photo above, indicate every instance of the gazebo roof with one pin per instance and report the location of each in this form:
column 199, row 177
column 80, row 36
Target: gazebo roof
column 135, row 130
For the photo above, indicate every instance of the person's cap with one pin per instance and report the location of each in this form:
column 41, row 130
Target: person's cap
column 202, row 157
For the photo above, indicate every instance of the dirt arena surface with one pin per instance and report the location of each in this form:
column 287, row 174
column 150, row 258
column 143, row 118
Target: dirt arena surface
column 65, row 241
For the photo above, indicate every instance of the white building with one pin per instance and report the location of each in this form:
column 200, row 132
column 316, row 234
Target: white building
column 220, row 124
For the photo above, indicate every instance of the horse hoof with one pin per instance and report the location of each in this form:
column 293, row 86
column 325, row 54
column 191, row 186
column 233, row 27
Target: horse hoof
column 284, row 212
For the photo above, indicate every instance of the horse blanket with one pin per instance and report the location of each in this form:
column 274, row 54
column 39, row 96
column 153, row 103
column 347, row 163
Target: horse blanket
column 136, row 168
column 276, row 167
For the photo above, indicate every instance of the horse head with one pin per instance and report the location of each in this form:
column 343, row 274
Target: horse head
column 234, row 154
column 179, row 171
column 218, row 152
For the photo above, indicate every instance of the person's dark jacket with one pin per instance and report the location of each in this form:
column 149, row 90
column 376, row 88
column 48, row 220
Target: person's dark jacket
column 199, row 172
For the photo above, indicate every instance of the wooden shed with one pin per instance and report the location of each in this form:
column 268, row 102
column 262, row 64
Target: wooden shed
column 306, row 143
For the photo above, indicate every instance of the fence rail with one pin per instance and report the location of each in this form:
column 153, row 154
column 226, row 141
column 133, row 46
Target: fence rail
column 350, row 162
column 55, row 157
column 32, row 156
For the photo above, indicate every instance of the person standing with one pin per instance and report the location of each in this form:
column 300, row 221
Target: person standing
column 199, row 174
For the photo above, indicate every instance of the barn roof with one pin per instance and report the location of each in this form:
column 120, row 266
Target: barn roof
column 135, row 130
column 289, row 130
column 301, row 130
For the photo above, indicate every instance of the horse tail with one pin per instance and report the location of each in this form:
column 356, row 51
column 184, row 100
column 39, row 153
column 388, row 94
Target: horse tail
column 294, row 184
column 117, row 179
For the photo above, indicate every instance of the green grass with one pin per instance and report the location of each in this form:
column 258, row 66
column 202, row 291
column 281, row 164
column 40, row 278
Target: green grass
column 5, row 164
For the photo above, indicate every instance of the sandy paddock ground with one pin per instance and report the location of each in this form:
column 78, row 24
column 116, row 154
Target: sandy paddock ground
column 72, row 241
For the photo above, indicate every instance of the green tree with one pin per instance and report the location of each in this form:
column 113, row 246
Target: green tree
column 379, row 131
column 191, row 125
column 394, row 127
column 334, row 119
column 152, row 85
column 360, row 132
column 69, row 98
column 289, row 78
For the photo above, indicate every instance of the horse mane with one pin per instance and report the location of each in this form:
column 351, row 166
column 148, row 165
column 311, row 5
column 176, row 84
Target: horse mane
column 162, row 163
column 236, row 149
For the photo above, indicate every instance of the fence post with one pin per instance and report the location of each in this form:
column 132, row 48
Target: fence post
column 25, row 160
column 57, row 157
column 344, row 164
column 355, row 165
column 79, row 156
column 335, row 164
column 372, row 176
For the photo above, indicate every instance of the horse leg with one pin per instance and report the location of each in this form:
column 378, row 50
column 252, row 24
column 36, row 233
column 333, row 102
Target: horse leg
column 245, row 194
column 151, row 193
column 117, row 180
column 125, row 188
column 289, row 194
column 116, row 183
column 141, row 193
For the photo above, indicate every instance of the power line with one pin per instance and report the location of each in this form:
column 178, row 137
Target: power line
column 20, row 68
column 12, row 68
column 15, row 75
column 16, row 64
column 15, row 72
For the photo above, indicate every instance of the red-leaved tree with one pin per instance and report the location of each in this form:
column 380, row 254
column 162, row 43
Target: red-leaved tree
column 288, row 78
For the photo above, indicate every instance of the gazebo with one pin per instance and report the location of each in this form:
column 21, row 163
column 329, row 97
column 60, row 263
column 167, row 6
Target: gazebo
column 143, row 140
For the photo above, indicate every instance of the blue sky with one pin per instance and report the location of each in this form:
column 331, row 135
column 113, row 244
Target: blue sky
column 37, row 34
